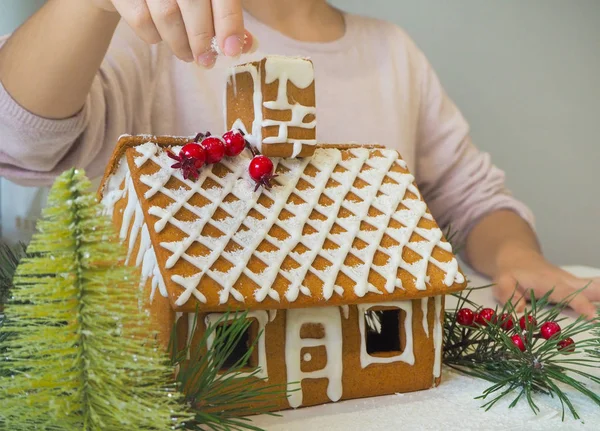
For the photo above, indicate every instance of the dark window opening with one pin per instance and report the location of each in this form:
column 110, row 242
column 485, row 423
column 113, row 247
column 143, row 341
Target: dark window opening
column 242, row 346
column 384, row 333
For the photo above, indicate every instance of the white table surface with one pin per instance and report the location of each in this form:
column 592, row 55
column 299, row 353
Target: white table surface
column 450, row 406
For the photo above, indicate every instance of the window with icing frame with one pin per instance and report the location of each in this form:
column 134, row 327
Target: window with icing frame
column 240, row 350
column 256, row 361
column 385, row 336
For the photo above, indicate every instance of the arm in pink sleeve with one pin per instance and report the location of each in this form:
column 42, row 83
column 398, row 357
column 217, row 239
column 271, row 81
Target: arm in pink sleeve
column 459, row 182
column 34, row 150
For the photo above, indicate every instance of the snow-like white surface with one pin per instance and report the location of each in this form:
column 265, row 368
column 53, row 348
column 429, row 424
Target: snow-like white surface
column 451, row 406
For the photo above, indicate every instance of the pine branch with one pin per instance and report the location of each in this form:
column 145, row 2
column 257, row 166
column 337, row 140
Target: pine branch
column 221, row 398
column 80, row 354
column 9, row 259
column 522, row 362
column 451, row 237
column 594, row 350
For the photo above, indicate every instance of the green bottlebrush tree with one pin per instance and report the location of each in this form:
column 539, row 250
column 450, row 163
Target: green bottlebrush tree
column 80, row 354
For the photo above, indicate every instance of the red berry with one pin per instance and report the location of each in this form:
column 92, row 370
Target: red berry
column 260, row 167
column 195, row 152
column 465, row 317
column 518, row 341
column 549, row 330
column 568, row 345
column 506, row 322
column 234, row 143
column 485, row 316
column 190, row 159
column 530, row 322
column 215, row 149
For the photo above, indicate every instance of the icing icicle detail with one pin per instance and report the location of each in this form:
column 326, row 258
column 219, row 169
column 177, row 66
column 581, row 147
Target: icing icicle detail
column 425, row 311
column 133, row 224
column 254, row 135
column 437, row 337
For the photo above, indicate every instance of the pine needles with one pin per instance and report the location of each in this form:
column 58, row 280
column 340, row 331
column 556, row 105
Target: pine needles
column 594, row 351
column 487, row 351
column 79, row 353
column 9, row 259
column 221, row 397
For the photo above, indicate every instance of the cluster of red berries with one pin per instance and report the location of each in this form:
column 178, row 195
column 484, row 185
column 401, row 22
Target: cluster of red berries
column 209, row 149
column 548, row 330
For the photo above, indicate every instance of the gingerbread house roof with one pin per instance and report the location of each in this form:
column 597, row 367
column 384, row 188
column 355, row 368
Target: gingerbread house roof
column 347, row 225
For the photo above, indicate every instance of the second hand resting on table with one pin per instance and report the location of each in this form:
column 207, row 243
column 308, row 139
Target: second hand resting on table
column 503, row 247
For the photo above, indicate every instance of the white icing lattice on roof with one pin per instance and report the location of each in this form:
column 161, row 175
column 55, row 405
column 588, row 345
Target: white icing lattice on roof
column 367, row 186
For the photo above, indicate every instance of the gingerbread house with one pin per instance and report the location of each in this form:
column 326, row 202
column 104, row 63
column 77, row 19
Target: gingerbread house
column 340, row 264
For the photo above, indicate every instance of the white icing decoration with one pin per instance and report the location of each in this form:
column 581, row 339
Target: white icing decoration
column 373, row 321
column 330, row 318
column 407, row 354
column 192, row 322
column 191, row 328
column 272, row 315
column 237, row 183
column 113, row 192
column 150, row 266
column 307, row 357
column 437, row 337
column 255, row 136
column 300, row 73
column 262, row 318
column 296, row 69
column 345, row 311
column 424, row 310
column 146, row 258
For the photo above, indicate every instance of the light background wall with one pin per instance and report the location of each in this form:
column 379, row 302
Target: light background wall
column 14, row 12
column 526, row 74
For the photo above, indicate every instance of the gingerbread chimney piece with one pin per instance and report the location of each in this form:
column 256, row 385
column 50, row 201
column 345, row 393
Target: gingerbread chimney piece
column 273, row 102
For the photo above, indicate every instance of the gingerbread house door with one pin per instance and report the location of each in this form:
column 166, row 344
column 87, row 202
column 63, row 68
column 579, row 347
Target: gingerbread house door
column 314, row 335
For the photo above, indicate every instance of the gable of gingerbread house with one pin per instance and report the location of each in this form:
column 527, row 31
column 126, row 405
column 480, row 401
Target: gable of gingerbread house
column 347, row 225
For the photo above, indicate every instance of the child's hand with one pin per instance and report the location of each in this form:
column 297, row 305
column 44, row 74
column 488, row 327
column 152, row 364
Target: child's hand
column 187, row 26
column 528, row 270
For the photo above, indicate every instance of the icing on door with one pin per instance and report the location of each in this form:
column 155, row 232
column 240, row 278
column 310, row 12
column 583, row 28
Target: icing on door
column 330, row 318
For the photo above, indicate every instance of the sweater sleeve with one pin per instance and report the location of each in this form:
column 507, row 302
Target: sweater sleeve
column 458, row 181
column 34, row 150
